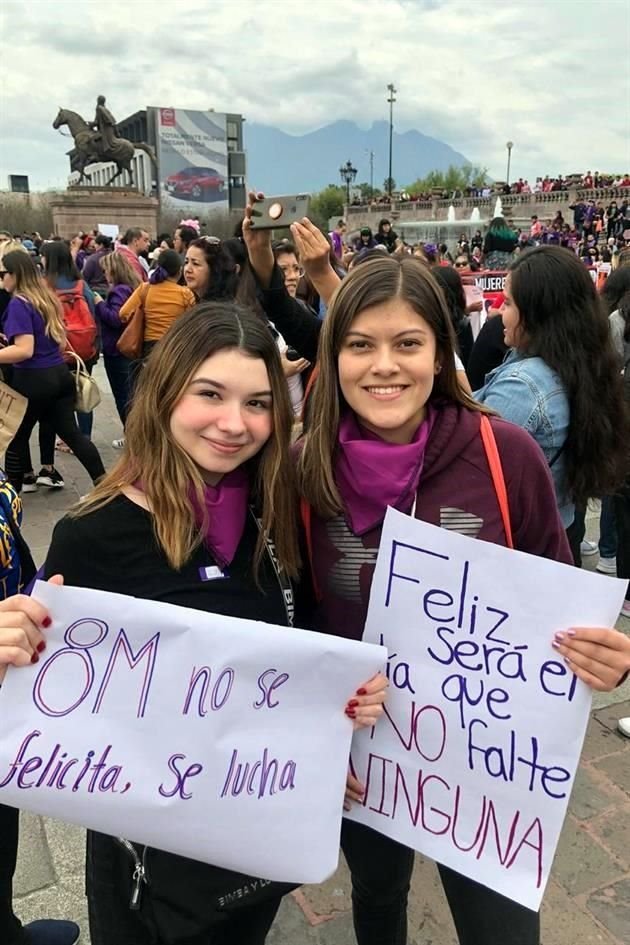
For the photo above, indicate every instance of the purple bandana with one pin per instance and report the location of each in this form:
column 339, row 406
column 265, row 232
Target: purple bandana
column 372, row 474
column 226, row 512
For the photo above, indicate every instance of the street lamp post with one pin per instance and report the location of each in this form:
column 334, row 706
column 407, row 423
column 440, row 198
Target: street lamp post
column 509, row 147
column 371, row 153
column 391, row 100
column 348, row 174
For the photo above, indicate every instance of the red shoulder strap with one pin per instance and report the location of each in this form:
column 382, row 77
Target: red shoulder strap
column 306, row 516
column 496, row 471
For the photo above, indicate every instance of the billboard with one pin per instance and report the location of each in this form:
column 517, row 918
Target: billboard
column 192, row 160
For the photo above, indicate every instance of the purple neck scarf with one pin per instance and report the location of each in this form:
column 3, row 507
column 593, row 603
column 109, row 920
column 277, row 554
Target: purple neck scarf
column 225, row 507
column 372, row 474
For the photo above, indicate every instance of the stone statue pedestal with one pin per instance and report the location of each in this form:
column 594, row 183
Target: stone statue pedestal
column 84, row 208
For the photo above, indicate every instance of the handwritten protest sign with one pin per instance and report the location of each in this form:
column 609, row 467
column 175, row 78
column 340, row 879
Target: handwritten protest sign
column 220, row 739
column 12, row 410
column 474, row 760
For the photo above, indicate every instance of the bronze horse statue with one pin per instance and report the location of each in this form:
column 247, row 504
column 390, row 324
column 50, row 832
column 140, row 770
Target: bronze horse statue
column 91, row 148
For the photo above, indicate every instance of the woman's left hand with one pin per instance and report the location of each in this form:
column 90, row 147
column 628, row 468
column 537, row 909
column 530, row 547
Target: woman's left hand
column 598, row 656
column 366, row 706
column 312, row 246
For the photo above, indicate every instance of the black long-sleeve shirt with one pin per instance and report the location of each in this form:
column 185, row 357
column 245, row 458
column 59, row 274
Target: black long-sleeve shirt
column 299, row 327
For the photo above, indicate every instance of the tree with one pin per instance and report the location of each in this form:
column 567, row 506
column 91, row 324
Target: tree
column 369, row 192
column 454, row 178
column 389, row 186
column 327, row 203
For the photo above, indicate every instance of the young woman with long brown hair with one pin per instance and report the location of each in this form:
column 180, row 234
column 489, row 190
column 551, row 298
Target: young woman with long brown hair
column 391, row 426
column 36, row 339
column 205, row 483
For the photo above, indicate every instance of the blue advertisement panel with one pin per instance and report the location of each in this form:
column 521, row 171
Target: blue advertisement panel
column 192, row 160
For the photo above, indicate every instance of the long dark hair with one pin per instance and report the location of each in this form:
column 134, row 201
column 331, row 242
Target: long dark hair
column 449, row 281
column 563, row 322
column 223, row 272
column 59, row 263
column 615, row 287
column 451, row 284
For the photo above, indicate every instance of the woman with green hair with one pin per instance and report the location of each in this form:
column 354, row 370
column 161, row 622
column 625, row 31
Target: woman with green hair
column 499, row 244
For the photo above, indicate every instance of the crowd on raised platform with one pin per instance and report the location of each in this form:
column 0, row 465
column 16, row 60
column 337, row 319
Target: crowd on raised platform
column 542, row 185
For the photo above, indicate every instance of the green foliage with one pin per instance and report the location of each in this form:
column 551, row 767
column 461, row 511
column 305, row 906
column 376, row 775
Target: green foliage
column 369, row 192
column 455, row 178
column 327, row 203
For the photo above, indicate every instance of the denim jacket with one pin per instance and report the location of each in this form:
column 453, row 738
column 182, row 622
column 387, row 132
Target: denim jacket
column 526, row 391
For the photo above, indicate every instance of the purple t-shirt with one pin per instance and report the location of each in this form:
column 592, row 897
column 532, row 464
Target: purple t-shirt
column 20, row 318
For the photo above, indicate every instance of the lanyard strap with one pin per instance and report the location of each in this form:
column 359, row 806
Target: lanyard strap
column 283, row 579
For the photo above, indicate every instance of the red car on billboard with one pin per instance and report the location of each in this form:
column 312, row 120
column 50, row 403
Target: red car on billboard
column 197, row 182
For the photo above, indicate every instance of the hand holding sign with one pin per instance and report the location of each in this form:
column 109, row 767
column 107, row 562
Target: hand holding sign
column 220, row 739
column 465, row 766
column 22, row 620
column 599, row 657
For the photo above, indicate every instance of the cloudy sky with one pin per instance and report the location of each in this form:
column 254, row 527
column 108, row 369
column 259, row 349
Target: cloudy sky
column 552, row 76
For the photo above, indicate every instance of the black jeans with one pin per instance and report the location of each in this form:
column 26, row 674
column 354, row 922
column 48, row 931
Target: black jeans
column 10, row 926
column 381, row 873
column 622, row 517
column 576, row 532
column 118, row 370
column 51, row 393
column 175, row 907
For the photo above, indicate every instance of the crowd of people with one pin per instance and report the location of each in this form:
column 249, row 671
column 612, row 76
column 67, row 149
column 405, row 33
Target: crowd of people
column 521, row 186
column 317, row 381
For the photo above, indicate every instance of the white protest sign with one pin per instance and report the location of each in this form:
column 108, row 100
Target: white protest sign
column 474, row 760
column 108, row 229
column 219, row 739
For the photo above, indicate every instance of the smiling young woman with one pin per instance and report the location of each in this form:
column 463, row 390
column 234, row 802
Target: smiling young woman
column 391, row 426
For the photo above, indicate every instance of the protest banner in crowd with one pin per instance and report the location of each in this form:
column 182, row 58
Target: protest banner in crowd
column 220, row 739
column 474, row 760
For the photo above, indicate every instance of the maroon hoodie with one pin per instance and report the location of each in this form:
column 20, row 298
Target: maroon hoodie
column 456, row 492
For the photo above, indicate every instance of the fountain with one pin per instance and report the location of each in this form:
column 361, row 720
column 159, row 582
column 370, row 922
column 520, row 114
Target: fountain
column 451, row 214
column 475, row 216
column 498, row 208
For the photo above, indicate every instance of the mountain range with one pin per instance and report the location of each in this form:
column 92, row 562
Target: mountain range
column 280, row 163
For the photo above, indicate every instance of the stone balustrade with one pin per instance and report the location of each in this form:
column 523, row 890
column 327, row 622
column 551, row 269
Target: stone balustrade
column 517, row 207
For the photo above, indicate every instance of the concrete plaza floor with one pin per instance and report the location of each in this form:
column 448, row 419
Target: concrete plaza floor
column 588, row 897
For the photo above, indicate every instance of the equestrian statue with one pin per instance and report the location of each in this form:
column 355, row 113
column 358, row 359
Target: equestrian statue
column 98, row 141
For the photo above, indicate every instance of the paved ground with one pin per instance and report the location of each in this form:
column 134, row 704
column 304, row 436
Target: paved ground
column 588, row 898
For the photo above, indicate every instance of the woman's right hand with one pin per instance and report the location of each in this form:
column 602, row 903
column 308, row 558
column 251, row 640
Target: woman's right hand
column 257, row 242
column 22, row 622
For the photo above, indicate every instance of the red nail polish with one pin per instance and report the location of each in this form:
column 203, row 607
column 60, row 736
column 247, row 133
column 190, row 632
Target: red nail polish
column 352, row 703
column 46, row 622
column 34, row 658
column 41, row 647
column 351, row 713
column 362, row 691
